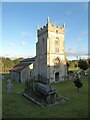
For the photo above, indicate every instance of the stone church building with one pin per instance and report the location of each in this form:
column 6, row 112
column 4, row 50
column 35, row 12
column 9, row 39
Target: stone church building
column 49, row 64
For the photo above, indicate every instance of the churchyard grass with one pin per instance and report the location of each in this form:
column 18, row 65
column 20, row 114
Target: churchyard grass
column 17, row 106
column 0, row 99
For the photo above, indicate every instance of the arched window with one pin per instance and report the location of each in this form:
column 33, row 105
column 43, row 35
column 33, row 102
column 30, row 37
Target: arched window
column 57, row 38
column 57, row 31
column 56, row 62
column 43, row 40
column 57, row 43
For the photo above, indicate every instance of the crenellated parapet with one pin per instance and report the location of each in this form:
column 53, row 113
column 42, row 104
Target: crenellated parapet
column 42, row 30
column 51, row 28
column 56, row 29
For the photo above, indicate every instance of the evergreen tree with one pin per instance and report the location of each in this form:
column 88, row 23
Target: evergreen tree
column 83, row 64
column 78, row 83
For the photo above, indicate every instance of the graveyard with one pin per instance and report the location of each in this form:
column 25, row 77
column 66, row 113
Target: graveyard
column 45, row 62
column 17, row 106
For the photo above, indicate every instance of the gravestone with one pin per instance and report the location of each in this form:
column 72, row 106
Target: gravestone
column 9, row 87
column 43, row 94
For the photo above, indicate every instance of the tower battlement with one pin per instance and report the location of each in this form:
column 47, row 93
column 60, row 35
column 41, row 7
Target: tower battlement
column 51, row 28
column 57, row 29
column 42, row 30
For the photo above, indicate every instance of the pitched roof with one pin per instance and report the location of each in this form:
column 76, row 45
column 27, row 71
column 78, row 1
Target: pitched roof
column 28, row 59
column 19, row 67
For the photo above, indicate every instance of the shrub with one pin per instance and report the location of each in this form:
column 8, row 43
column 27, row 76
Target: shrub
column 78, row 84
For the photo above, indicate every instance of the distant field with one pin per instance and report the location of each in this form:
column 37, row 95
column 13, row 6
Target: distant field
column 74, row 69
column 17, row 106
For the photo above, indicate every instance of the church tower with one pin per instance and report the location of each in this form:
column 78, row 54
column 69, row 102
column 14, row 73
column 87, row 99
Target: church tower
column 50, row 53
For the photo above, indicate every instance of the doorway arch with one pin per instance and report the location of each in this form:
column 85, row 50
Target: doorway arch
column 57, row 76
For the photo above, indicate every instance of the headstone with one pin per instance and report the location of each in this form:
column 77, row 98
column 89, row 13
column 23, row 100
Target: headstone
column 9, row 87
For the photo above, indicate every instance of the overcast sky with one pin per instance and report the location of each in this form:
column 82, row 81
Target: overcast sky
column 20, row 21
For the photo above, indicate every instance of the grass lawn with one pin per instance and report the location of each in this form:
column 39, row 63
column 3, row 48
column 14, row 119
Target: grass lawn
column 0, row 99
column 17, row 106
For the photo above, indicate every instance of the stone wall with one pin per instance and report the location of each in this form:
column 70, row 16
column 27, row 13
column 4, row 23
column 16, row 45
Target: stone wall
column 15, row 76
column 25, row 74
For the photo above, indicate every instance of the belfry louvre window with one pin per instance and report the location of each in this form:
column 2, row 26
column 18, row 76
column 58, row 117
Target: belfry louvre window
column 57, row 43
column 57, row 31
column 56, row 49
